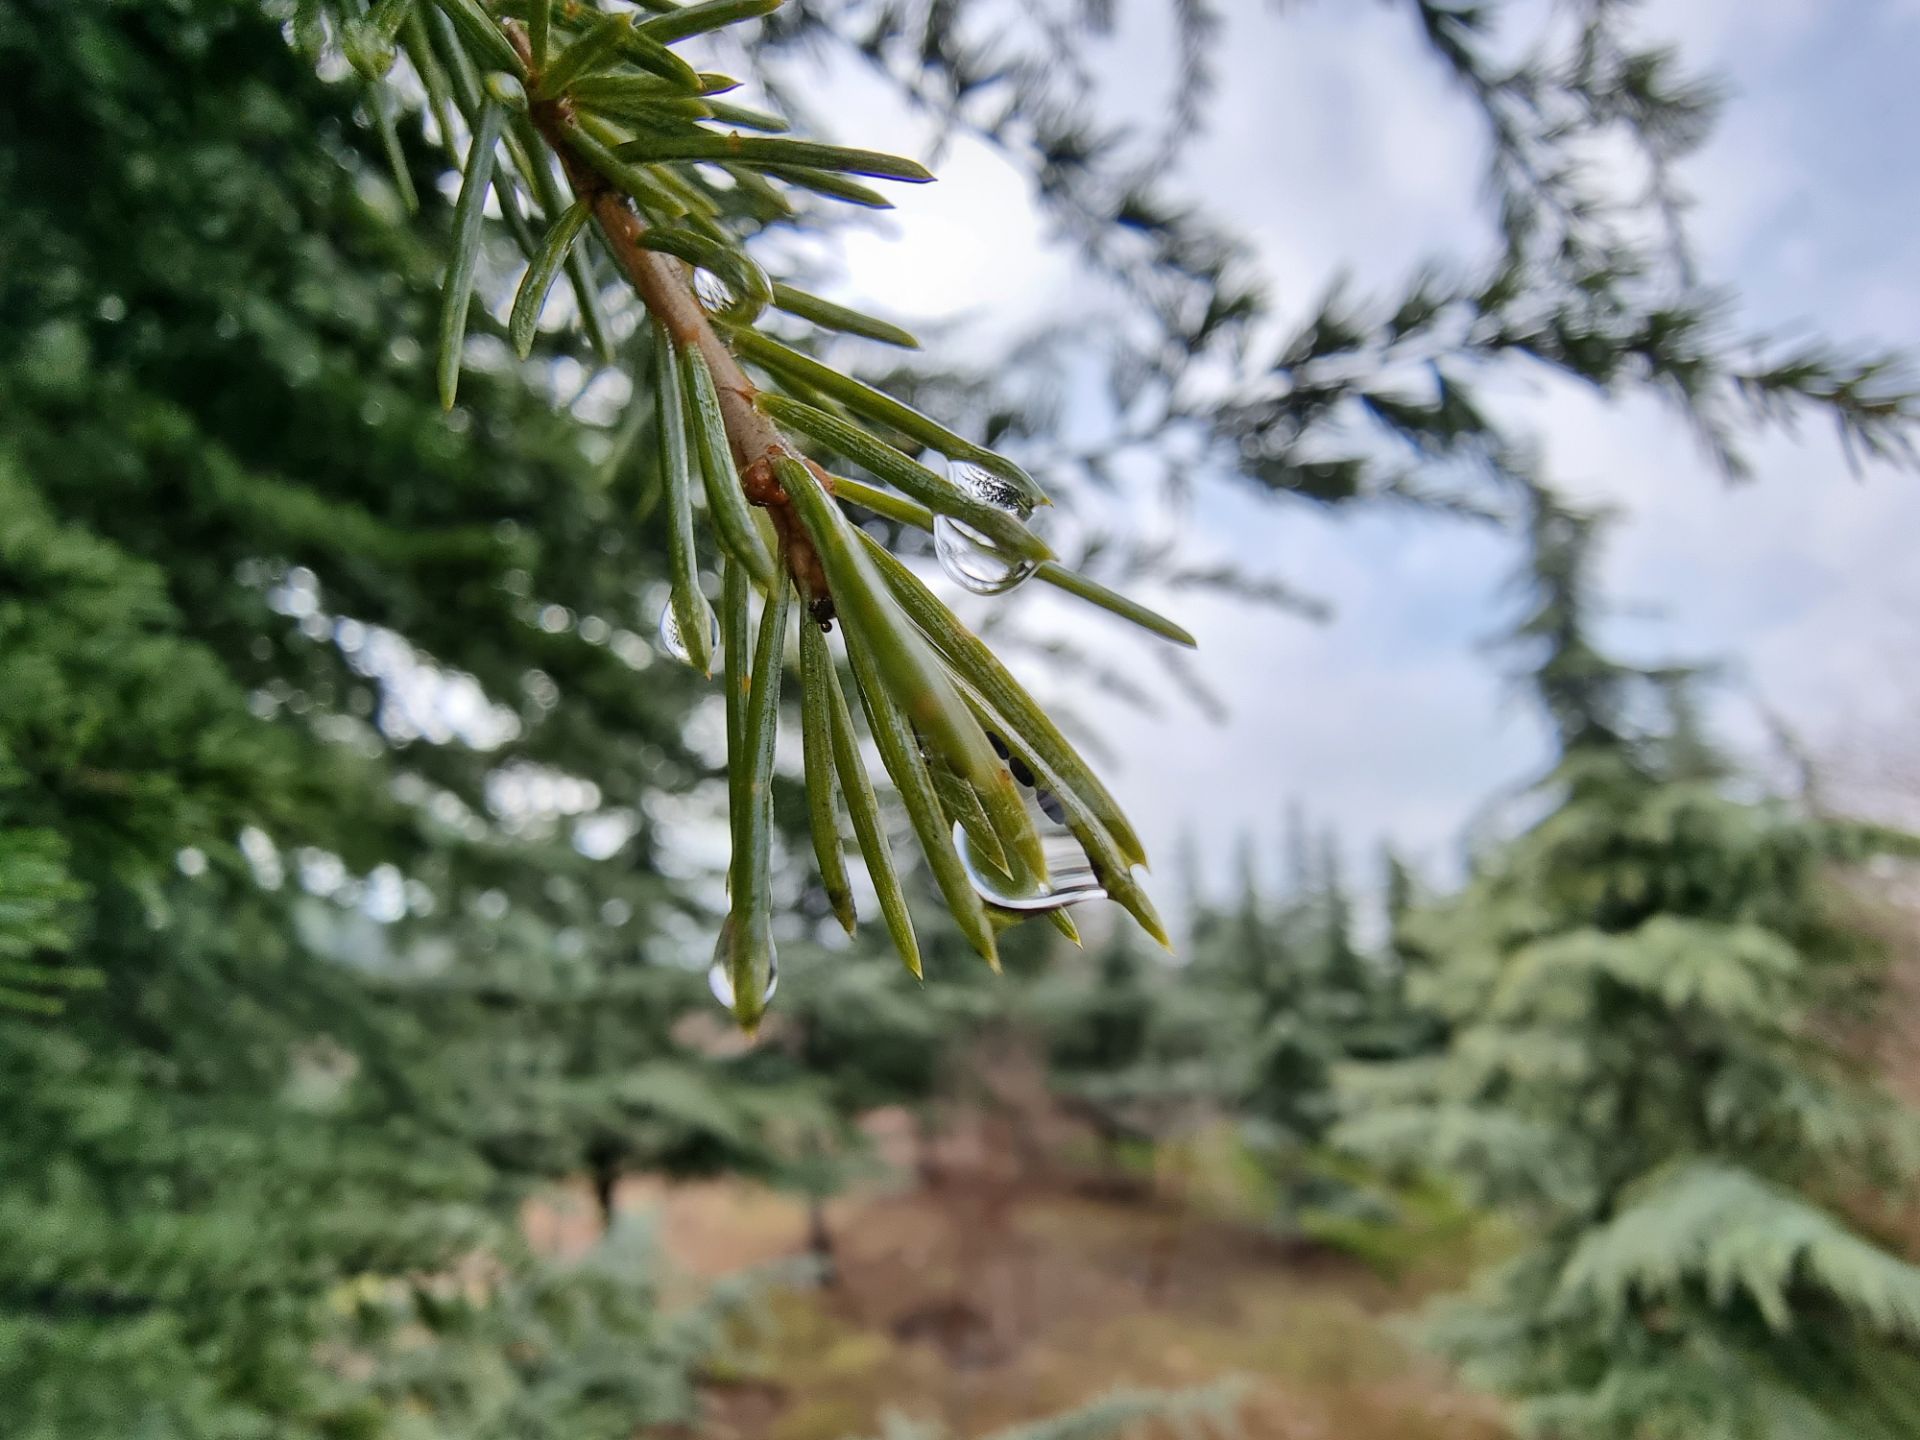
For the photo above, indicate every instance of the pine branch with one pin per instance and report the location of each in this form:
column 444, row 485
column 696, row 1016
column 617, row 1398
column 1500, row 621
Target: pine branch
column 665, row 287
column 623, row 115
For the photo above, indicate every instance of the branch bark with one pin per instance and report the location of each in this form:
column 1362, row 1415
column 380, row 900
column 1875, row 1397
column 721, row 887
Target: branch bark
column 664, row 286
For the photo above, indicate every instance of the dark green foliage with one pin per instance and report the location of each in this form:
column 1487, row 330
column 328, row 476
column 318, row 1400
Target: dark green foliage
column 301, row 979
column 1272, row 995
column 342, row 900
column 583, row 1348
column 1641, row 993
column 1123, row 1050
column 1301, row 997
column 35, row 898
column 1400, row 1028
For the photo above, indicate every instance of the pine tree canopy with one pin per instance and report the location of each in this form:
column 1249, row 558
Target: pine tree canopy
column 310, row 967
column 1641, row 994
column 424, row 457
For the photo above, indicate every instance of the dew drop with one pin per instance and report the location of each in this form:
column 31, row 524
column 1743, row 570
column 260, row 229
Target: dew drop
column 713, row 293
column 734, row 950
column 1070, row 875
column 973, row 560
column 720, row 982
column 674, row 644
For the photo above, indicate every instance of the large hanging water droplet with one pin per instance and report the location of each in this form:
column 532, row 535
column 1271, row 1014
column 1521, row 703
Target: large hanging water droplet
column 720, row 982
column 739, row 950
column 969, row 557
column 1070, row 874
column 674, row 643
column 713, row 293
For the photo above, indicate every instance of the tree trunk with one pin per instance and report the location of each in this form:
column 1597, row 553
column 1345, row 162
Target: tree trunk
column 606, row 1180
column 820, row 1240
column 926, row 1152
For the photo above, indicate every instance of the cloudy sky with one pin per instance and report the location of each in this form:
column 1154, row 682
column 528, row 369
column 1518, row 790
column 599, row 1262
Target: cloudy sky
column 1390, row 719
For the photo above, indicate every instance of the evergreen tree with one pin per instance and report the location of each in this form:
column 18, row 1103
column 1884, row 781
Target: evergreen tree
column 343, row 800
column 1123, row 1049
column 1276, row 997
column 295, row 818
column 1641, row 993
column 1117, row 1002
column 1402, row 1027
column 1297, row 996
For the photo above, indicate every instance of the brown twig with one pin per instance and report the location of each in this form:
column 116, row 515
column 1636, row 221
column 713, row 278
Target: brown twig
column 665, row 288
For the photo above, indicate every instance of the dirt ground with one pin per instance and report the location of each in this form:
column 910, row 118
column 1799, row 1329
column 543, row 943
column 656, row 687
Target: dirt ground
column 997, row 1295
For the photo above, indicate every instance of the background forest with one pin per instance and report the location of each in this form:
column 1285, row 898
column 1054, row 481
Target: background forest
column 366, row 1067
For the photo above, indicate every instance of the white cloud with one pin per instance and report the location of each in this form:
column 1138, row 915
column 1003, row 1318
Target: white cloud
column 1335, row 143
column 968, row 246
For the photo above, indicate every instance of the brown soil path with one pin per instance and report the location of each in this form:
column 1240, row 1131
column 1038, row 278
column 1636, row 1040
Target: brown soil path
column 990, row 1299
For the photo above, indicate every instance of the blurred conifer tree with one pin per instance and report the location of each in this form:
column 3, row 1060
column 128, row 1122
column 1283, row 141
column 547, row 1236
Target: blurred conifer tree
column 325, row 741
column 339, row 783
column 1644, row 994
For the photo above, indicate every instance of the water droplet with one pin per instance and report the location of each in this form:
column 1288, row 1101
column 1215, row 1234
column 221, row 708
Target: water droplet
column 970, row 557
column 720, row 982
column 736, row 949
column 713, row 293
column 675, row 644
column 1070, row 874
